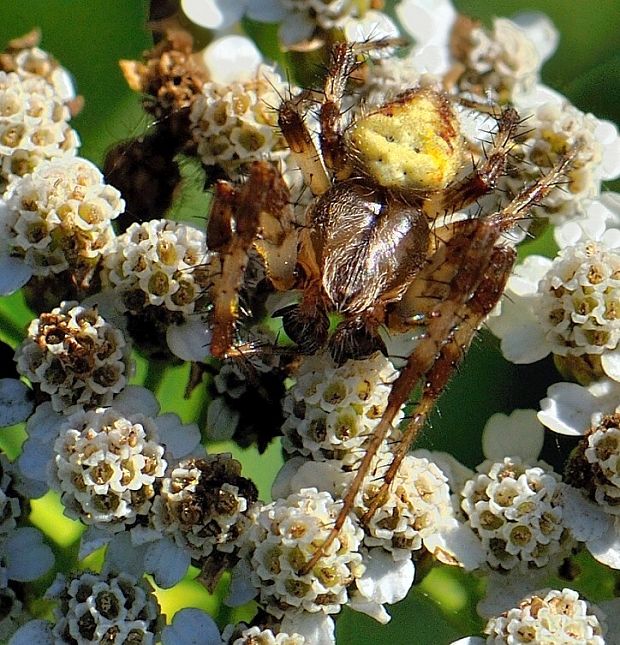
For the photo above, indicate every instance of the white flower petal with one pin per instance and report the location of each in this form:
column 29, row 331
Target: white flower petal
column 222, row 420
column 322, row 475
column 26, row 556
column 295, row 28
column 136, row 399
column 607, row 133
column 517, row 435
column 121, row 555
column 180, row 439
column 375, row 25
column 568, row 409
column 191, row 627
column 232, row 58
column 586, row 520
column 316, row 628
column 241, row 589
column 540, row 30
column 469, row 640
column 43, row 425
column 456, row 544
column 16, row 403
column 611, row 364
column 167, row 562
column 14, row 273
column 266, row 10
column 384, row 579
column 35, row 631
column 92, row 539
column 213, row 14
column 606, row 549
column 522, row 337
column 190, row 341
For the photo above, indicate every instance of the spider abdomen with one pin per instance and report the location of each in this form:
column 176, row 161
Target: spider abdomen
column 367, row 244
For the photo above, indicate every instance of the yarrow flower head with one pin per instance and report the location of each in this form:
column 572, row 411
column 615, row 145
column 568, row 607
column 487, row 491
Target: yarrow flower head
column 158, row 272
column 285, row 537
column 75, row 357
column 516, row 511
column 236, row 123
column 549, row 617
column 206, row 505
column 34, row 125
column 568, row 306
column 503, row 62
column 332, row 410
column 554, row 127
column 58, row 220
column 418, row 506
column 96, row 608
column 106, row 467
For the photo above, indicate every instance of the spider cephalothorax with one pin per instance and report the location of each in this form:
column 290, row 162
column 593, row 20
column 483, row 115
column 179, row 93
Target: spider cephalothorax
column 379, row 242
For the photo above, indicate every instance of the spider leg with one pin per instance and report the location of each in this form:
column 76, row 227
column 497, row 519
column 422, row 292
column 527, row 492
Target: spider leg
column 343, row 62
column 483, row 178
column 302, row 147
column 257, row 213
column 475, row 270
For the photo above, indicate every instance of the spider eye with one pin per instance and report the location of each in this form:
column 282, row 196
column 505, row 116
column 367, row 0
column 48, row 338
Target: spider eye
column 412, row 143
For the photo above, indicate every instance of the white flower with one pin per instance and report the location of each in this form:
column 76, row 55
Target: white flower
column 549, row 617
column 568, row 306
column 285, row 537
column 554, row 126
column 106, row 467
column 516, row 507
column 99, row 607
column 58, row 219
column 236, row 123
column 430, row 24
column 33, row 125
column 75, row 357
column 16, row 402
column 44, row 425
column 592, row 413
column 158, row 275
column 332, row 410
column 205, row 505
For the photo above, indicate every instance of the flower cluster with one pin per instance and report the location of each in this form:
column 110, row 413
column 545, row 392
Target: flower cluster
column 236, row 123
column 332, row 410
column 157, row 274
column 34, row 125
column 75, row 357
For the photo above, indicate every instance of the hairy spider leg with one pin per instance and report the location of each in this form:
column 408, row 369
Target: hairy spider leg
column 255, row 214
column 476, row 270
column 483, row 177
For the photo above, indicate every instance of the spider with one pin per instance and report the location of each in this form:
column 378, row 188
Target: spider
column 378, row 245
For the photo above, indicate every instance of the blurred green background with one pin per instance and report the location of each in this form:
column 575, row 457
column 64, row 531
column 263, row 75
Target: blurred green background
column 89, row 37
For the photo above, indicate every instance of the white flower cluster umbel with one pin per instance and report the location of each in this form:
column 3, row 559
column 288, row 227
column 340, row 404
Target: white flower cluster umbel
column 142, row 483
